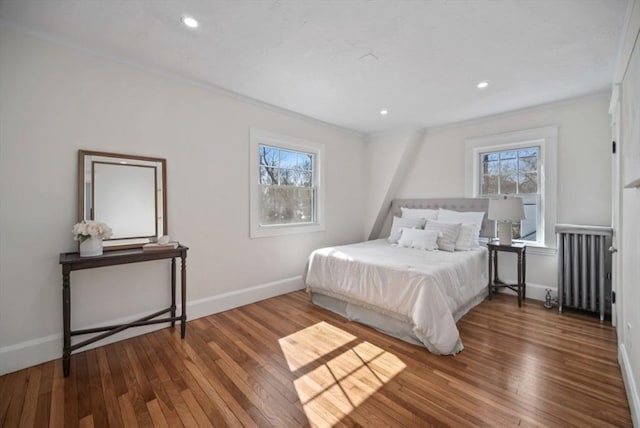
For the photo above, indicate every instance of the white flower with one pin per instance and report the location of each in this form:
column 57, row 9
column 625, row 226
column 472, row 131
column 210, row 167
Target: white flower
column 106, row 231
column 78, row 229
column 90, row 229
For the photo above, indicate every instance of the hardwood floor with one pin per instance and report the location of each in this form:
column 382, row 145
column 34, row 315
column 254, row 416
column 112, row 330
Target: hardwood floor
column 284, row 362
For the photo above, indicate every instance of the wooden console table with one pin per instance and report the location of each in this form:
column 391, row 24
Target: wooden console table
column 73, row 261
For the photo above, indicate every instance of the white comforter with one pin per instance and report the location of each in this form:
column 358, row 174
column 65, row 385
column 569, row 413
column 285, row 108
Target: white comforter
column 429, row 289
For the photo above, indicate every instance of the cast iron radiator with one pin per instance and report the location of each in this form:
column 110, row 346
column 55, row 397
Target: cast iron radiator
column 584, row 266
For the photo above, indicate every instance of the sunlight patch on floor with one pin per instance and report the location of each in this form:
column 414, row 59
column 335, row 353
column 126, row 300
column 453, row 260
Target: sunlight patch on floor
column 306, row 346
column 331, row 386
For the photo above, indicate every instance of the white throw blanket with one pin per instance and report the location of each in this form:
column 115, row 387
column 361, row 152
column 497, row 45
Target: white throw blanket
column 429, row 289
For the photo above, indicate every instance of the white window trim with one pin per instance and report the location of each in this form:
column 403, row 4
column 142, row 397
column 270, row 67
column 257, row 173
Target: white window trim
column 547, row 139
column 259, row 136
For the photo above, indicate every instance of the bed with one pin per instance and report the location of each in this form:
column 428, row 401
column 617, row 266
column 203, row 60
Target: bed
column 417, row 296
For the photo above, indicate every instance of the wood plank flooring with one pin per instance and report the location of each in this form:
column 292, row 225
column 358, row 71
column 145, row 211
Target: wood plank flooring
column 286, row 363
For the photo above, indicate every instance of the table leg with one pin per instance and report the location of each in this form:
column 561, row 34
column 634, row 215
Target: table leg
column 524, row 275
column 66, row 320
column 173, row 291
column 520, row 285
column 183, row 284
column 490, row 272
column 495, row 267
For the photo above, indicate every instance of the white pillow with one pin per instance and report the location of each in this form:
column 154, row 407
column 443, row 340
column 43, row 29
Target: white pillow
column 473, row 217
column 468, row 238
column 419, row 239
column 419, row 213
column 446, row 242
column 399, row 222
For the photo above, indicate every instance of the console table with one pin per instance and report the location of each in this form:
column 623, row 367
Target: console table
column 73, row 261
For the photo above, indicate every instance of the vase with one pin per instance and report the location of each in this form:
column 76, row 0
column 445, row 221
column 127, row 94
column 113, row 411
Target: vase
column 91, row 247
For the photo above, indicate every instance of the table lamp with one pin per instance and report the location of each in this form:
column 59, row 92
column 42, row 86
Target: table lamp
column 505, row 211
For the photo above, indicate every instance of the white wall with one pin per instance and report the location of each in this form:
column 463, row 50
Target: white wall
column 388, row 158
column 56, row 100
column 584, row 170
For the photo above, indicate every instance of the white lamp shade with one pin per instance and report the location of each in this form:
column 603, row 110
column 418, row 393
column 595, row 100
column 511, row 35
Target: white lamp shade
column 509, row 209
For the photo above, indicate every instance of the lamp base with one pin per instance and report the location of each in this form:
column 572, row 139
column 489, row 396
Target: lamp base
column 505, row 236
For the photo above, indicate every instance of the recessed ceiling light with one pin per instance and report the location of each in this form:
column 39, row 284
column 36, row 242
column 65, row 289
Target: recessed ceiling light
column 189, row 21
column 483, row 84
column 384, row 112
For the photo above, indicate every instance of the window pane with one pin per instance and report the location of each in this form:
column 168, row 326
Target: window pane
column 304, row 179
column 287, row 159
column 508, row 184
column 490, row 168
column 528, row 225
column 508, row 175
column 268, row 175
column 288, row 177
column 528, row 164
column 531, row 151
column 507, row 166
column 528, row 182
column 268, row 156
column 305, row 161
column 508, row 155
column 526, row 229
column 489, row 185
column 486, row 157
column 295, row 177
column 286, row 205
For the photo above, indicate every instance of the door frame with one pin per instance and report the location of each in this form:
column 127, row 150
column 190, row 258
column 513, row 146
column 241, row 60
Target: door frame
column 616, row 207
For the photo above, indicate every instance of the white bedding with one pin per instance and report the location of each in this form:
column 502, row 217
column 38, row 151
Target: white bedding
column 430, row 290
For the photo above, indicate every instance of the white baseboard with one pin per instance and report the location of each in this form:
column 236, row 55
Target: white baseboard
column 223, row 302
column 36, row 351
column 629, row 384
column 30, row 353
column 534, row 291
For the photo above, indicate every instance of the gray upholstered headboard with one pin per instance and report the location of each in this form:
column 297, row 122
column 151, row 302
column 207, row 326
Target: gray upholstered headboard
column 456, row 204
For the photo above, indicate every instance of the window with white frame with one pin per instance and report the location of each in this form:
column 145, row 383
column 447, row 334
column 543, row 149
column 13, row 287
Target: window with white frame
column 523, row 164
column 286, row 194
column 514, row 172
column 287, row 191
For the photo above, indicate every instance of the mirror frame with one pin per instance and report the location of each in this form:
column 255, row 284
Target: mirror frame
column 124, row 242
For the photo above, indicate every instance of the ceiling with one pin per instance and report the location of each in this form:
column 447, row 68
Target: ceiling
column 343, row 61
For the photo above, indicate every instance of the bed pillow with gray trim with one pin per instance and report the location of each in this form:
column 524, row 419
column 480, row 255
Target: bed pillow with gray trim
column 450, row 231
column 399, row 223
column 474, row 217
column 419, row 239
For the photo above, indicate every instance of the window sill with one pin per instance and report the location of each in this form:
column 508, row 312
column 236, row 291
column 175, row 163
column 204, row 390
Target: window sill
column 279, row 230
column 541, row 249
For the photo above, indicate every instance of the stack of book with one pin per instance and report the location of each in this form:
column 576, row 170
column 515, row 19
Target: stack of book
column 155, row 246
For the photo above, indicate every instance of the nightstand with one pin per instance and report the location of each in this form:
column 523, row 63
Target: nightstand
column 520, row 248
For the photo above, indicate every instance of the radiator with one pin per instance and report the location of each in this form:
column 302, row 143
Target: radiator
column 584, row 266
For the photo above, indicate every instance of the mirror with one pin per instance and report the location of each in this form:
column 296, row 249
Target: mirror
column 127, row 193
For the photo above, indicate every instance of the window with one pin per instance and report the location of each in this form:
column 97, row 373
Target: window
column 522, row 163
column 287, row 193
column 514, row 172
column 285, row 179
